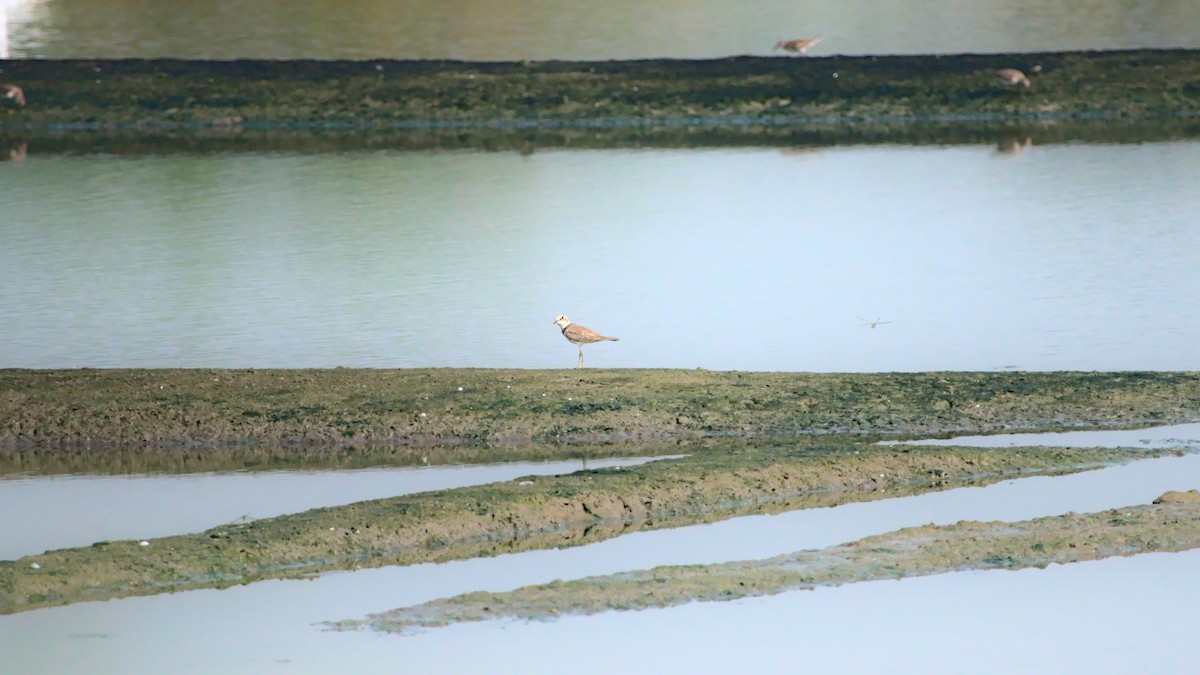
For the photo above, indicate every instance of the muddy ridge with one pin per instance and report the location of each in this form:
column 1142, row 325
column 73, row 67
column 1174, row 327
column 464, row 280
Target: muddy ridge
column 916, row 551
column 44, row 413
column 720, row 480
column 737, row 91
column 1006, row 137
column 757, row 442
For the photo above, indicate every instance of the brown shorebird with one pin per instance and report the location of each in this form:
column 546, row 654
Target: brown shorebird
column 580, row 335
column 12, row 95
column 799, row 45
column 1012, row 77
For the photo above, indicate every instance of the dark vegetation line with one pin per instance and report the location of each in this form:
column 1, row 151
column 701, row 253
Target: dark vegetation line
column 156, row 94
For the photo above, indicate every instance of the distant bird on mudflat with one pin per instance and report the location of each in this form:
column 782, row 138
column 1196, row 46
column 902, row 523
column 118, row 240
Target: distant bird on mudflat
column 12, row 95
column 1011, row 77
column 799, row 45
column 580, row 335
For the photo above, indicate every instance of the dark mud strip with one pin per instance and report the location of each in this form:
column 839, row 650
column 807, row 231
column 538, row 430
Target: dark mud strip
column 103, row 410
column 787, row 139
column 738, row 91
column 717, row 482
column 1173, row 525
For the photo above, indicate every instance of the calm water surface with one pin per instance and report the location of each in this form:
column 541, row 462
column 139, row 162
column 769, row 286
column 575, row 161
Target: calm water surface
column 1060, row 257
column 578, row 29
column 1118, row 616
column 1136, row 608
column 1166, row 436
column 1114, row 616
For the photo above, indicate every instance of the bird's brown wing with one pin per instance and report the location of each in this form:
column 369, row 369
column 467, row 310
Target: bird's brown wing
column 583, row 334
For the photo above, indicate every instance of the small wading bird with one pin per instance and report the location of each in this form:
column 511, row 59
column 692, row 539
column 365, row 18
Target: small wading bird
column 1011, row 77
column 12, row 95
column 580, row 335
column 799, row 45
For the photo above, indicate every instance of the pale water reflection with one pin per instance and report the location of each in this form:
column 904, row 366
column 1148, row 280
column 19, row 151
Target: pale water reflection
column 1061, row 257
column 1121, row 615
column 548, row 29
column 1116, row 616
column 62, row 511
column 1183, row 435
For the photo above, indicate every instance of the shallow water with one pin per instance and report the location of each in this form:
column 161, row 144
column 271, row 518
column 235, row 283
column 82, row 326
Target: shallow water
column 1159, row 437
column 1027, row 621
column 64, row 511
column 1124, row 615
column 863, row 258
column 1057, row 616
column 542, row 29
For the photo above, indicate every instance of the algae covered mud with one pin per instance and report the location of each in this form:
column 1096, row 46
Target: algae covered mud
column 737, row 91
column 719, row 481
column 1172, row 523
column 52, row 411
column 757, row 443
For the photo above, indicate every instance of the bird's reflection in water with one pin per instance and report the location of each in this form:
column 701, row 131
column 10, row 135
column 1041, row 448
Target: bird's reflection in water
column 1013, row 145
column 801, row 152
column 12, row 151
column 798, row 45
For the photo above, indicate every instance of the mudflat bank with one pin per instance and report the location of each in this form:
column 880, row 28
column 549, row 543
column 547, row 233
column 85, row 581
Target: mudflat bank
column 1172, row 523
column 61, row 411
column 1006, row 137
column 719, row 480
column 735, row 91
column 756, row 442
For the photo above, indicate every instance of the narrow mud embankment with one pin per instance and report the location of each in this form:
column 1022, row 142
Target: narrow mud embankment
column 1172, row 523
column 736, row 91
column 720, row 480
